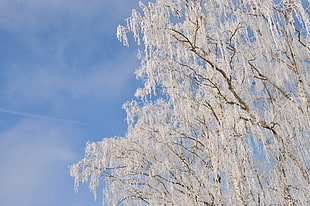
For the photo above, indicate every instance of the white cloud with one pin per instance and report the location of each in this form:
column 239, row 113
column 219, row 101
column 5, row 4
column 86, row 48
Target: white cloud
column 37, row 85
column 61, row 37
column 33, row 157
column 30, row 15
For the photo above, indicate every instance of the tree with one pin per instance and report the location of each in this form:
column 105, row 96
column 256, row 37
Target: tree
column 223, row 117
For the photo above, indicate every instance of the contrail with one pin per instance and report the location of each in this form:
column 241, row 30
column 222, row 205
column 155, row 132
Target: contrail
column 39, row 116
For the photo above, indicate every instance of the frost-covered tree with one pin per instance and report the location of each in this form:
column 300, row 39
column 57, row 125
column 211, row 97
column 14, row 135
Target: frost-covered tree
column 223, row 117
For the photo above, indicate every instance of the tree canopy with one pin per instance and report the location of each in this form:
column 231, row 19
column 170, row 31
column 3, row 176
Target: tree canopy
column 223, row 116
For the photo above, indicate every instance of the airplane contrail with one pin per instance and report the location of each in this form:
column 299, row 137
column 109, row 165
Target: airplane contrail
column 39, row 116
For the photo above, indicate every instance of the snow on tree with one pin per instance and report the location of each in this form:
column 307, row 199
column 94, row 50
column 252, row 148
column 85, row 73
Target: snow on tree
column 223, row 117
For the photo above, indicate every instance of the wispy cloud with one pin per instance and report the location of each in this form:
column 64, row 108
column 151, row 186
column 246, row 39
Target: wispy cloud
column 40, row 116
column 52, row 85
column 34, row 159
column 71, row 50
column 32, row 16
column 60, row 58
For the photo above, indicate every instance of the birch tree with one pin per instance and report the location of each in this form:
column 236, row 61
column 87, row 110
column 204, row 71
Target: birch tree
column 223, row 116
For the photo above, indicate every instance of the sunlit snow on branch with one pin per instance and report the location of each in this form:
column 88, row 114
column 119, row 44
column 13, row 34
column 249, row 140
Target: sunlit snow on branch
column 223, row 117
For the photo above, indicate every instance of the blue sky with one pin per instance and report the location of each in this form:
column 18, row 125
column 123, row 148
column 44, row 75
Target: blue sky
column 63, row 79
